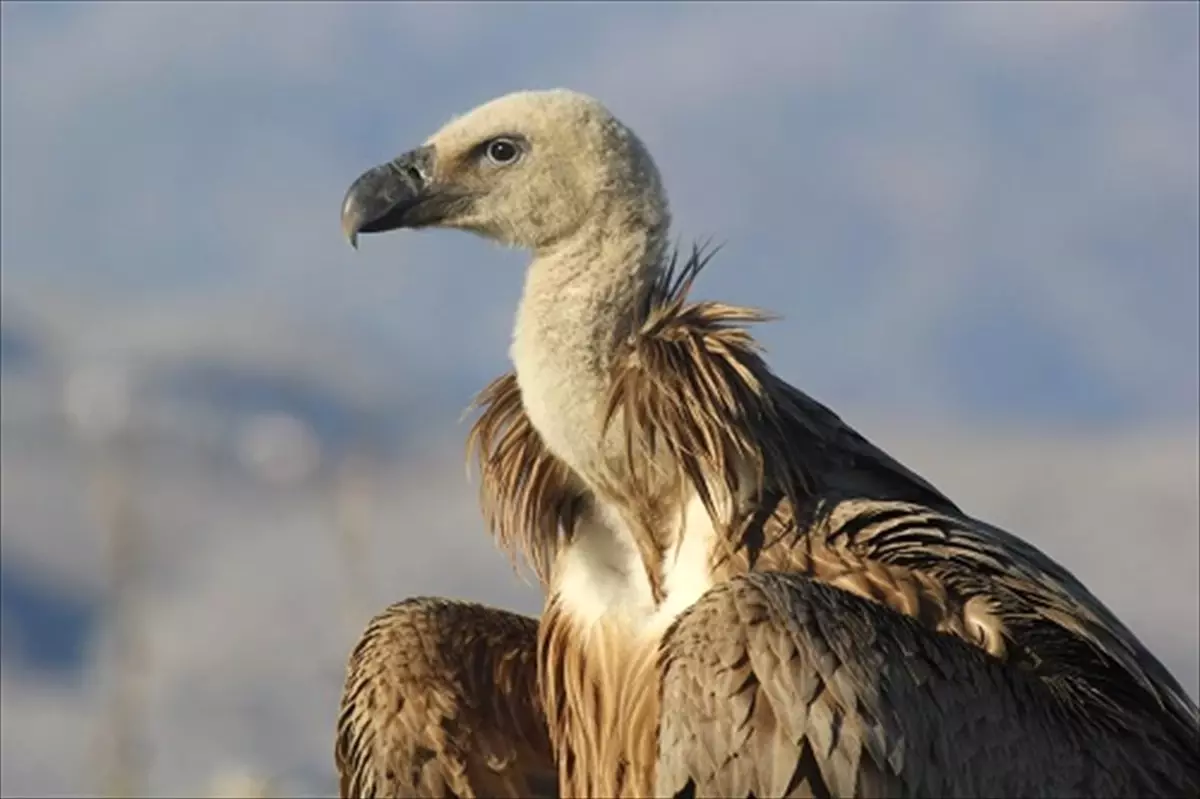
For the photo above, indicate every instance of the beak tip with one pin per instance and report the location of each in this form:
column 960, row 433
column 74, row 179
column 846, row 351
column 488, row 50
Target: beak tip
column 379, row 199
column 351, row 217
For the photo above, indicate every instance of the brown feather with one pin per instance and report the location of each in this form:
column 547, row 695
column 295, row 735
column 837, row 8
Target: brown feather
column 601, row 697
column 530, row 499
column 793, row 489
column 441, row 699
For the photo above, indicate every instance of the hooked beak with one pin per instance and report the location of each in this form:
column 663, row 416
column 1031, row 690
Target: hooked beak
column 389, row 196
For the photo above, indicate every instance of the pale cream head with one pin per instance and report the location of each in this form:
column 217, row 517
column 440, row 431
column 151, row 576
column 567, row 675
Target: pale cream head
column 529, row 169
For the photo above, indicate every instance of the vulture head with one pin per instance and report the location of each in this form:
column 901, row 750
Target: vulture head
column 529, row 170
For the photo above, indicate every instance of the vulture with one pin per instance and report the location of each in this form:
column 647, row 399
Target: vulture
column 743, row 595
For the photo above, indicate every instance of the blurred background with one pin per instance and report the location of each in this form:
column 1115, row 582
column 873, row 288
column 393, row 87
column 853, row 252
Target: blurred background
column 228, row 440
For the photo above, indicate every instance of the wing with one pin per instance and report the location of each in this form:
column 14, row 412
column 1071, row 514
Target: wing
column 955, row 649
column 779, row 685
column 441, row 700
column 871, row 517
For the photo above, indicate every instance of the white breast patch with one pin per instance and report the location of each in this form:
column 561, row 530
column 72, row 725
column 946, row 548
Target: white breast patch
column 601, row 574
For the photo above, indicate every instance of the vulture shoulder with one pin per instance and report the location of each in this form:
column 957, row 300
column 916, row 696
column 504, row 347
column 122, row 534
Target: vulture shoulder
column 440, row 700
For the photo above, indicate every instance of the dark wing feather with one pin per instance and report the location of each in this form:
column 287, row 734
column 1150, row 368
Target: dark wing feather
column 777, row 685
column 441, row 700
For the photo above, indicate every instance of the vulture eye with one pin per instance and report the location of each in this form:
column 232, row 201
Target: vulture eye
column 502, row 151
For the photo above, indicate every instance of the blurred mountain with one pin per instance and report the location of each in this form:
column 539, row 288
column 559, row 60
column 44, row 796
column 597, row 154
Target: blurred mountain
column 46, row 626
column 18, row 349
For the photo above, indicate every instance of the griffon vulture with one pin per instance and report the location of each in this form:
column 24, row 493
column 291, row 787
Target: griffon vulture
column 744, row 595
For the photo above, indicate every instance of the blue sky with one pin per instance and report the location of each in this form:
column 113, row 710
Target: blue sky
column 986, row 211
